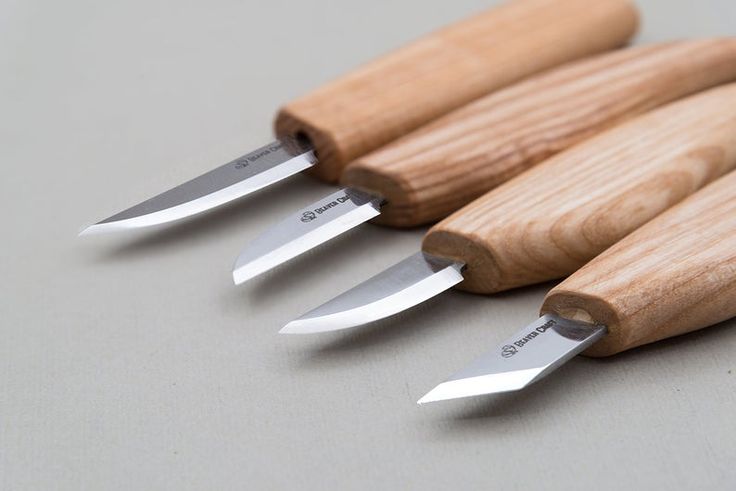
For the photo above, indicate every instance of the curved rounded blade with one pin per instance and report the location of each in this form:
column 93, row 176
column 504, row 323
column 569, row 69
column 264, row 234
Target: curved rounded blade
column 406, row 284
column 233, row 180
column 306, row 229
column 531, row 354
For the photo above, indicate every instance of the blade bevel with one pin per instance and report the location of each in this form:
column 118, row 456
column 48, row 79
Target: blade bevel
column 240, row 177
column 531, row 354
column 415, row 279
column 306, row 229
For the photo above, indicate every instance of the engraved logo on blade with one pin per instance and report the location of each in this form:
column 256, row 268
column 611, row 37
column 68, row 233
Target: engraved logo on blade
column 246, row 160
column 507, row 351
column 308, row 216
column 510, row 350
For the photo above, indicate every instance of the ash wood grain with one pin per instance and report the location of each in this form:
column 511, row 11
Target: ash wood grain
column 674, row 275
column 414, row 85
column 441, row 167
column 551, row 220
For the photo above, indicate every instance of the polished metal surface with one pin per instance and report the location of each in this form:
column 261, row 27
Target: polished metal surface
column 242, row 176
column 521, row 360
column 412, row 281
column 135, row 364
column 306, row 229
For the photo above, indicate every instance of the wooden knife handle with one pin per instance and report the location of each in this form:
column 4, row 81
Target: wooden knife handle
column 401, row 91
column 551, row 220
column 434, row 171
column 674, row 275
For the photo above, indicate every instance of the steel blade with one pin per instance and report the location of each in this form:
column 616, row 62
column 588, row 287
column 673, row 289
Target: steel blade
column 306, row 229
column 233, row 180
column 526, row 357
column 410, row 282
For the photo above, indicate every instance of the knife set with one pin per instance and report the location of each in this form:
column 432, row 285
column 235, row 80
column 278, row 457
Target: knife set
column 540, row 151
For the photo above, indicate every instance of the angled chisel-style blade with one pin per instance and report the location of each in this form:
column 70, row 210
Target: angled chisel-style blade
column 521, row 360
column 413, row 280
column 306, row 229
column 672, row 276
column 233, row 180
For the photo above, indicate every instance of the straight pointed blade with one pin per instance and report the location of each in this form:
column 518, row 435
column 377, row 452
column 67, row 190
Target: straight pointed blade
column 531, row 354
column 306, row 229
column 410, row 282
column 233, row 180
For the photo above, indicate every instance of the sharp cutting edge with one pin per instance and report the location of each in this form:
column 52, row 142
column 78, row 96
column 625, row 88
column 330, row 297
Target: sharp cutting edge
column 526, row 357
column 414, row 280
column 306, row 229
column 238, row 178
column 418, row 278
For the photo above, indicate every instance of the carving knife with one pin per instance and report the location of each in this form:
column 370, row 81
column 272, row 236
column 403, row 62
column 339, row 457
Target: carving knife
column 551, row 220
column 389, row 97
column 428, row 174
column 674, row 275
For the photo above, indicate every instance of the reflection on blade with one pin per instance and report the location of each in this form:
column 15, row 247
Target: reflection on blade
column 233, row 180
column 412, row 281
column 305, row 230
column 528, row 356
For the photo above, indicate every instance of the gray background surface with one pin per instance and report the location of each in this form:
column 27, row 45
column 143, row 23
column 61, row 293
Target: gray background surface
column 132, row 362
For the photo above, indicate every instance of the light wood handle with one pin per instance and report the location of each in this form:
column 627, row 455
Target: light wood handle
column 401, row 91
column 551, row 220
column 674, row 275
column 436, row 170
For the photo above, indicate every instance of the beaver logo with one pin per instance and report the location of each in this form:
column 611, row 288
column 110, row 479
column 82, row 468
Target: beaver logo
column 308, row 216
column 507, row 351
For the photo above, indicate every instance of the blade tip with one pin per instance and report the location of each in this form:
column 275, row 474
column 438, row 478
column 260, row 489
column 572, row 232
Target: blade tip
column 289, row 329
column 242, row 274
column 459, row 389
column 433, row 395
column 315, row 325
column 302, row 326
column 238, row 279
column 246, row 269
column 94, row 229
column 105, row 227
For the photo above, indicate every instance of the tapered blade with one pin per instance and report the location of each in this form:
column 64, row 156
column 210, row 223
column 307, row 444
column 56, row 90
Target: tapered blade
column 306, row 229
column 521, row 360
column 233, row 180
column 412, row 281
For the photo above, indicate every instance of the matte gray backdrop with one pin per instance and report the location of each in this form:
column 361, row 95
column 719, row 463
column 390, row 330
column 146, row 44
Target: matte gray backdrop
column 132, row 362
